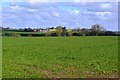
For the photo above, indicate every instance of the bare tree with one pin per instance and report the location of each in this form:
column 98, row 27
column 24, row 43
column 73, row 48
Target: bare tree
column 83, row 31
column 96, row 29
column 59, row 30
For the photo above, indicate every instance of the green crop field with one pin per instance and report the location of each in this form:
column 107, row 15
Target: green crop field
column 18, row 32
column 60, row 57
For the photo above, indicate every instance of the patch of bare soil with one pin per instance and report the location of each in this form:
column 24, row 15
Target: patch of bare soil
column 51, row 74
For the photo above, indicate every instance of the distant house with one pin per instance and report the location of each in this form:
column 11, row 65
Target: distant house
column 34, row 30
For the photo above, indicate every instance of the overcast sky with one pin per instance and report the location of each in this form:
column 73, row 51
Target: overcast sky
column 70, row 14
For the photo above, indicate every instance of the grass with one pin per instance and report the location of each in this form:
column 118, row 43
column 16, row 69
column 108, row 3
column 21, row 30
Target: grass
column 64, row 57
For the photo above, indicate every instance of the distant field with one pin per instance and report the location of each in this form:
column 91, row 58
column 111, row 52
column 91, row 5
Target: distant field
column 64, row 57
column 18, row 32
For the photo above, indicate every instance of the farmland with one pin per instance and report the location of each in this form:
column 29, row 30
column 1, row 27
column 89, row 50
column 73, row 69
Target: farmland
column 64, row 57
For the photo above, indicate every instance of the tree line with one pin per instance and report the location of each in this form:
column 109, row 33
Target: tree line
column 95, row 30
